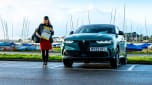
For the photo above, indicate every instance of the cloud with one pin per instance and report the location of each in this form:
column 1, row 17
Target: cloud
column 60, row 11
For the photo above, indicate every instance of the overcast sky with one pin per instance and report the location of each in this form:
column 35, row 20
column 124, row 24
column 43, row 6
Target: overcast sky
column 60, row 11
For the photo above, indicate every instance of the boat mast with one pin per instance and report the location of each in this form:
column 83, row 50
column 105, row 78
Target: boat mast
column 89, row 17
column 114, row 20
column 124, row 21
column 71, row 25
column 111, row 16
column 12, row 32
column 131, row 34
column 146, row 29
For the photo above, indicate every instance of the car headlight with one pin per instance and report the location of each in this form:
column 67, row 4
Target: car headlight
column 68, row 41
column 104, row 42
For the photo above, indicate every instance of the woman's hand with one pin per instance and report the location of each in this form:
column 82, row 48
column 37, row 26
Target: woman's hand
column 38, row 35
column 51, row 30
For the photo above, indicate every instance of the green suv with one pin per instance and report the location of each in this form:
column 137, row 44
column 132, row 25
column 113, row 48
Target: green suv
column 95, row 43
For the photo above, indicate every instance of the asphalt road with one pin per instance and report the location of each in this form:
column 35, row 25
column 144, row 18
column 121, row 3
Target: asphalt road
column 32, row 73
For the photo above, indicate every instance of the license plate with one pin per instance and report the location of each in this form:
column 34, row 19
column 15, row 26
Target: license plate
column 98, row 49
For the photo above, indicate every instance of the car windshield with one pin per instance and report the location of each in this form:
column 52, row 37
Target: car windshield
column 96, row 29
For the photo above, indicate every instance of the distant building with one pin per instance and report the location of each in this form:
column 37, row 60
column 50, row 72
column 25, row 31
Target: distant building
column 134, row 37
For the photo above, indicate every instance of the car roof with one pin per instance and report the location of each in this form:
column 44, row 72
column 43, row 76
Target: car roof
column 102, row 25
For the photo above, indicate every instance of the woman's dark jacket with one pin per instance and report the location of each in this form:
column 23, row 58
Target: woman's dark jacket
column 39, row 30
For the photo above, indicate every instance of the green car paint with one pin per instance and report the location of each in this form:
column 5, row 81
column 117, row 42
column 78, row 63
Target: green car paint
column 80, row 43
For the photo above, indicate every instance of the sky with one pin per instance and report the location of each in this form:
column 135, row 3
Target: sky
column 63, row 13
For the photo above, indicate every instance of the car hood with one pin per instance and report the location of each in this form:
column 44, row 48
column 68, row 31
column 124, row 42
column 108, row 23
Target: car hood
column 90, row 36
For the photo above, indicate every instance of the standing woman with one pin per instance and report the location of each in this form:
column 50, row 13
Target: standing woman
column 45, row 43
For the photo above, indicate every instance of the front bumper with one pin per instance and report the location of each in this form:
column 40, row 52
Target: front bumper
column 87, row 56
column 90, row 59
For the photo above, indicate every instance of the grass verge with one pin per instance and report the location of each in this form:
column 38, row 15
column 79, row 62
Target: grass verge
column 139, row 60
column 31, row 57
column 144, row 59
column 28, row 57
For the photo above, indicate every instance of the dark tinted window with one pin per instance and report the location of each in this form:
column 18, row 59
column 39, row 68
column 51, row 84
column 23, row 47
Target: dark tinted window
column 96, row 29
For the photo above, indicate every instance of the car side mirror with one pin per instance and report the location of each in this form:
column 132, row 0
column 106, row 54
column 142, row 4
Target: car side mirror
column 71, row 33
column 121, row 33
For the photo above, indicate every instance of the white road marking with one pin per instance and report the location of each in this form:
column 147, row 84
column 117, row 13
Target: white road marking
column 131, row 68
column 57, row 66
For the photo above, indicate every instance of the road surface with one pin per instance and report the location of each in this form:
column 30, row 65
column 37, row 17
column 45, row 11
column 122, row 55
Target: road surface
column 32, row 73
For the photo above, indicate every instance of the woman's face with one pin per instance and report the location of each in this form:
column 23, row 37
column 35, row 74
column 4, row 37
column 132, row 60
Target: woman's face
column 46, row 21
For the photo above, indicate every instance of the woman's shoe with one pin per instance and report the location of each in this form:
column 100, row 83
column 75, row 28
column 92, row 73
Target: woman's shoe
column 44, row 66
column 45, row 63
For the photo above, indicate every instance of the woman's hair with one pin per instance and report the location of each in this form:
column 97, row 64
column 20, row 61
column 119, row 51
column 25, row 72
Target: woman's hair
column 46, row 18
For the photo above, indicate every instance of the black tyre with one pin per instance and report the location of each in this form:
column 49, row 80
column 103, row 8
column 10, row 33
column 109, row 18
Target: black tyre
column 115, row 62
column 67, row 62
column 124, row 60
column 86, row 62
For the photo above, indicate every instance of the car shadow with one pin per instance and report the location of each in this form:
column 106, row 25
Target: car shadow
column 94, row 66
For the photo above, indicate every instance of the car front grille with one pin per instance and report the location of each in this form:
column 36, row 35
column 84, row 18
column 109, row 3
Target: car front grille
column 98, row 54
column 88, row 54
column 84, row 46
column 72, row 53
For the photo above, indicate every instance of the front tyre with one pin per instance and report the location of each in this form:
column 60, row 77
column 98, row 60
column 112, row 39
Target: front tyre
column 115, row 62
column 124, row 60
column 86, row 62
column 67, row 62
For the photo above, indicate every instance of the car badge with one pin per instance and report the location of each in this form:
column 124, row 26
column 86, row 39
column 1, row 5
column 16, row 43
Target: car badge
column 83, row 41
